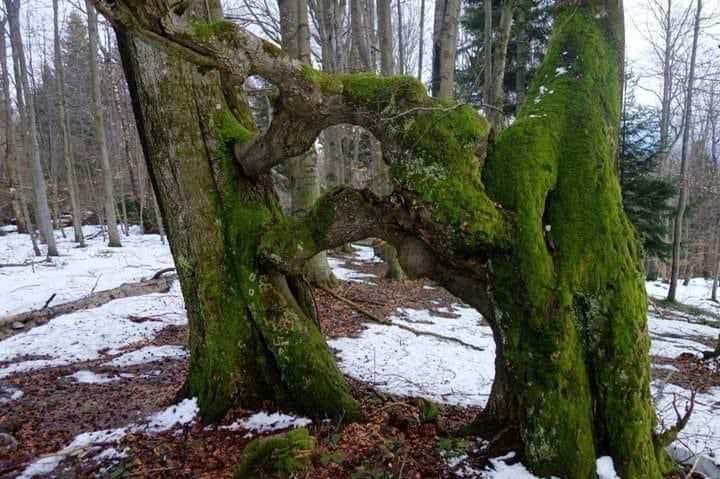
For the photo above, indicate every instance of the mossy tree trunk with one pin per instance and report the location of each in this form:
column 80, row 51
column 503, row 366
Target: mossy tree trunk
column 534, row 236
column 253, row 336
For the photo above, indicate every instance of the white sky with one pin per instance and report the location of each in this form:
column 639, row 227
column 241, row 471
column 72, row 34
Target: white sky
column 637, row 25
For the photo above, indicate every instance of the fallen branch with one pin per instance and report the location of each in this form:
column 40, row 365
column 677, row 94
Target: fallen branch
column 376, row 319
column 28, row 262
column 20, row 322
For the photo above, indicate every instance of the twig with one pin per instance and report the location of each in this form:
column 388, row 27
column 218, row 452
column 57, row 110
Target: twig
column 47, row 303
column 380, row 320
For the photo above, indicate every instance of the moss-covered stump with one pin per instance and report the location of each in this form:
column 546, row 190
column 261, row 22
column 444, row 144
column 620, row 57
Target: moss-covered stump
column 281, row 456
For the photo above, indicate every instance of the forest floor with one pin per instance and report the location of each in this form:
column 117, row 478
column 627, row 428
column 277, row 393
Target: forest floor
column 93, row 393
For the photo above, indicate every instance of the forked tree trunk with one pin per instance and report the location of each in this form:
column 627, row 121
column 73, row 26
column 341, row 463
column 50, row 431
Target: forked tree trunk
column 253, row 335
column 108, row 196
column 540, row 244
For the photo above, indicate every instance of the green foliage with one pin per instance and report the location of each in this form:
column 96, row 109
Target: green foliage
column 428, row 410
column 452, row 447
column 336, row 457
column 646, row 196
column 280, row 456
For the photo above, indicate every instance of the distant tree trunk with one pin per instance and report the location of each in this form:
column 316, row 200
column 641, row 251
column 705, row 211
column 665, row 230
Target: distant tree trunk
column 108, row 196
column 500, row 57
column 303, row 170
column 445, row 48
column 421, row 39
column 70, row 172
column 253, row 335
column 682, row 196
column 522, row 51
column 16, row 193
column 42, row 210
column 488, row 52
column 385, row 35
column 359, row 38
column 716, row 259
column 401, row 40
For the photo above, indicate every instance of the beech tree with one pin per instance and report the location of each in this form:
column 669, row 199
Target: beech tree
column 529, row 229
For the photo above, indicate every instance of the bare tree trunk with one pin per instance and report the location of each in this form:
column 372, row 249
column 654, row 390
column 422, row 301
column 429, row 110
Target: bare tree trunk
column 16, row 193
column 70, row 172
column 421, row 39
column 385, row 35
column 682, row 197
column 108, row 196
column 359, row 38
column 500, row 57
column 522, row 60
column 401, row 41
column 445, row 48
column 42, row 209
column 487, row 52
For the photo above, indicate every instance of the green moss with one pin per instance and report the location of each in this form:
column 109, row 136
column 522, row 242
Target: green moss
column 371, row 91
column 230, row 130
column 329, row 84
column 205, row 31
column 272, row 49
column 280, row 456
column 578, row 330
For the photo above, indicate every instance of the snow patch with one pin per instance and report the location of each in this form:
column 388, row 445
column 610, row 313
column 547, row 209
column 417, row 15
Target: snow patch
column 606, row 468
column 179, row 414
column 263, row 422
column 560, row 71
column 400, row 362
column 148, row 354
column 9, row 393
column 90, row 377
column 81, row 336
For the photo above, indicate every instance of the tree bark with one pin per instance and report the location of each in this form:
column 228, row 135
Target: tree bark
column 70, row 173
column 401, row 41
column 534, row 236
column 421, row 39
column 17, row 197
column 445, row 47
column 682, row 195
column 500, row 57
column 42, row 209
column 108, row 196
column 359, row 38
column 488, row 52
column 385, row 35
column 252, row 333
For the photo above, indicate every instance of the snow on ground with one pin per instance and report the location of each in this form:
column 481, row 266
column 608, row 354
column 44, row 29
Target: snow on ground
column 400, row 362
column 148, row 354
column 263, row 422
column 696, row 293
column 361, row 254
column 701, row 436
column 78, row 271
column 84, row 335
column 89, row 377
column 179, row 414
column 391, row 358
